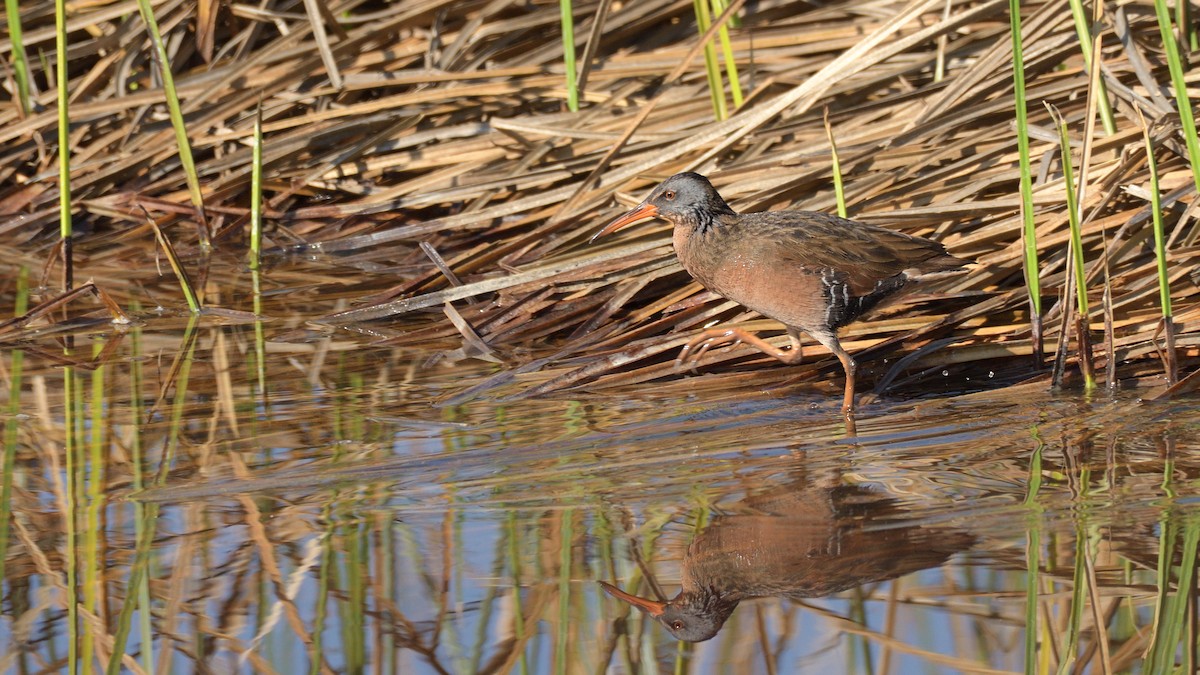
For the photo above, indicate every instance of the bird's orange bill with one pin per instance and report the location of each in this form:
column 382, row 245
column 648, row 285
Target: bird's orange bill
column 649, row 606
column 642, row 211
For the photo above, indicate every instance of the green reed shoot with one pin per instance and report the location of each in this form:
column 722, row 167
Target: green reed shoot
column 1029, row 232
column 735, row 85
column 12, row 422
column 518, row 613
column 141, row 511
column 1033, row 549
column 716, row 89
column 1079, row 587
column 1084, row 32
column 568, row 40
column 567, row 538
column 838, row 189
column 1167, row 535
column 176, row 112
column 138, row 578
column 1175, row 65
column 1075, row 246
column 180, row 373
column 354, row 606
column 256, row 195
column 20, row 61
column 94, row 472
column 1171, row 608
column 64, row 142
column 69, row 564
column 324, row 574
column 260, row 342
column 1160, row 252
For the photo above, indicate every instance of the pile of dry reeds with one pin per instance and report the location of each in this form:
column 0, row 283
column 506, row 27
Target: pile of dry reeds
column 424, row 153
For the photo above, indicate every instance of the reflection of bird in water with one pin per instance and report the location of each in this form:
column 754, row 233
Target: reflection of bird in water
column 801, row 541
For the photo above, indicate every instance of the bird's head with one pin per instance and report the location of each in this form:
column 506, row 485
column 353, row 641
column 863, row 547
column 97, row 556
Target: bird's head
column 684, row 200
column 691, row 617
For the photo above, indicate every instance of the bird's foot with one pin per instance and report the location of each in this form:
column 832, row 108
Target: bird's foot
column 698, row 346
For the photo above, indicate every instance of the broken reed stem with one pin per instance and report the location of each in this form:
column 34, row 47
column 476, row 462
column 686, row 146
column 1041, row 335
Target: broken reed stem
column 61, row 300
column 1028, row 230
column 176, row 265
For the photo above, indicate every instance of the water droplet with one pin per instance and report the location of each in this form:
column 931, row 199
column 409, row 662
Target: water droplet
column 991, row 374
column 945, row 373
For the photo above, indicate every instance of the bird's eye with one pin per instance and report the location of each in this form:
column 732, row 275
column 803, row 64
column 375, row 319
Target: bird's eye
column 677, row 625
column 669, row 194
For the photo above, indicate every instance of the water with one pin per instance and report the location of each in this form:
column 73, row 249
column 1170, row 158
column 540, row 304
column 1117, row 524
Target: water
column 323, row 510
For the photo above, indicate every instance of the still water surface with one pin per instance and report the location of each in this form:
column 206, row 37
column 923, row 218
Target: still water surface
column 212, row 501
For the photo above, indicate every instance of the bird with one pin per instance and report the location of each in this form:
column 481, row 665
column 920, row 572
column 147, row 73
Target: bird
column 813, row 272
column 802, row 539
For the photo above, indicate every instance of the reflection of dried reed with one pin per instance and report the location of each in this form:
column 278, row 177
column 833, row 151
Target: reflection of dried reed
column 311, row 507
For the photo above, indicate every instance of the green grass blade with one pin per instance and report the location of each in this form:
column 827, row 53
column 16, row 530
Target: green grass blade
column 567, row 536
column 1175, row 65
column 1079, row 586
column 1033, row 548
column 568, row 40
column 1075, row 243
column 176, row 112
column 138, row 577
column 69, row 524
column 735, row 84
column 12, row 423
column 838, row 190
column 518, row 612
column 1084, row 32
column 20, row 61
column 64, row 141
column 256, row 193
column 716, row 89
column 1029, row 234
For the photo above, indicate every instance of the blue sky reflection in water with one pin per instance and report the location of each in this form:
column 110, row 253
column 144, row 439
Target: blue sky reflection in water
column 356, row 526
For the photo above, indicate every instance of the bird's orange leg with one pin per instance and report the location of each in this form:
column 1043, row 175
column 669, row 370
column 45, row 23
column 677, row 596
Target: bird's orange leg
column 830, row 340
column 698, row 346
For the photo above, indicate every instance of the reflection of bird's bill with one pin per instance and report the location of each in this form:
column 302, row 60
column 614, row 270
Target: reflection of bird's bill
column 651, row 607
column 642, row 210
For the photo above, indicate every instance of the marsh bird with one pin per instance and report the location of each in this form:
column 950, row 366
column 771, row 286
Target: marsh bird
column 813, row 272
column 798, row 541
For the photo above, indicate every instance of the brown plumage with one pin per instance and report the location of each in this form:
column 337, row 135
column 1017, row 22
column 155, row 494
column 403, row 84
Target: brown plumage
column 801, row 540
column 813, row 272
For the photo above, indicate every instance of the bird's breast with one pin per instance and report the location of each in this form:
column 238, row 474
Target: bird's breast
column 775, row 289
